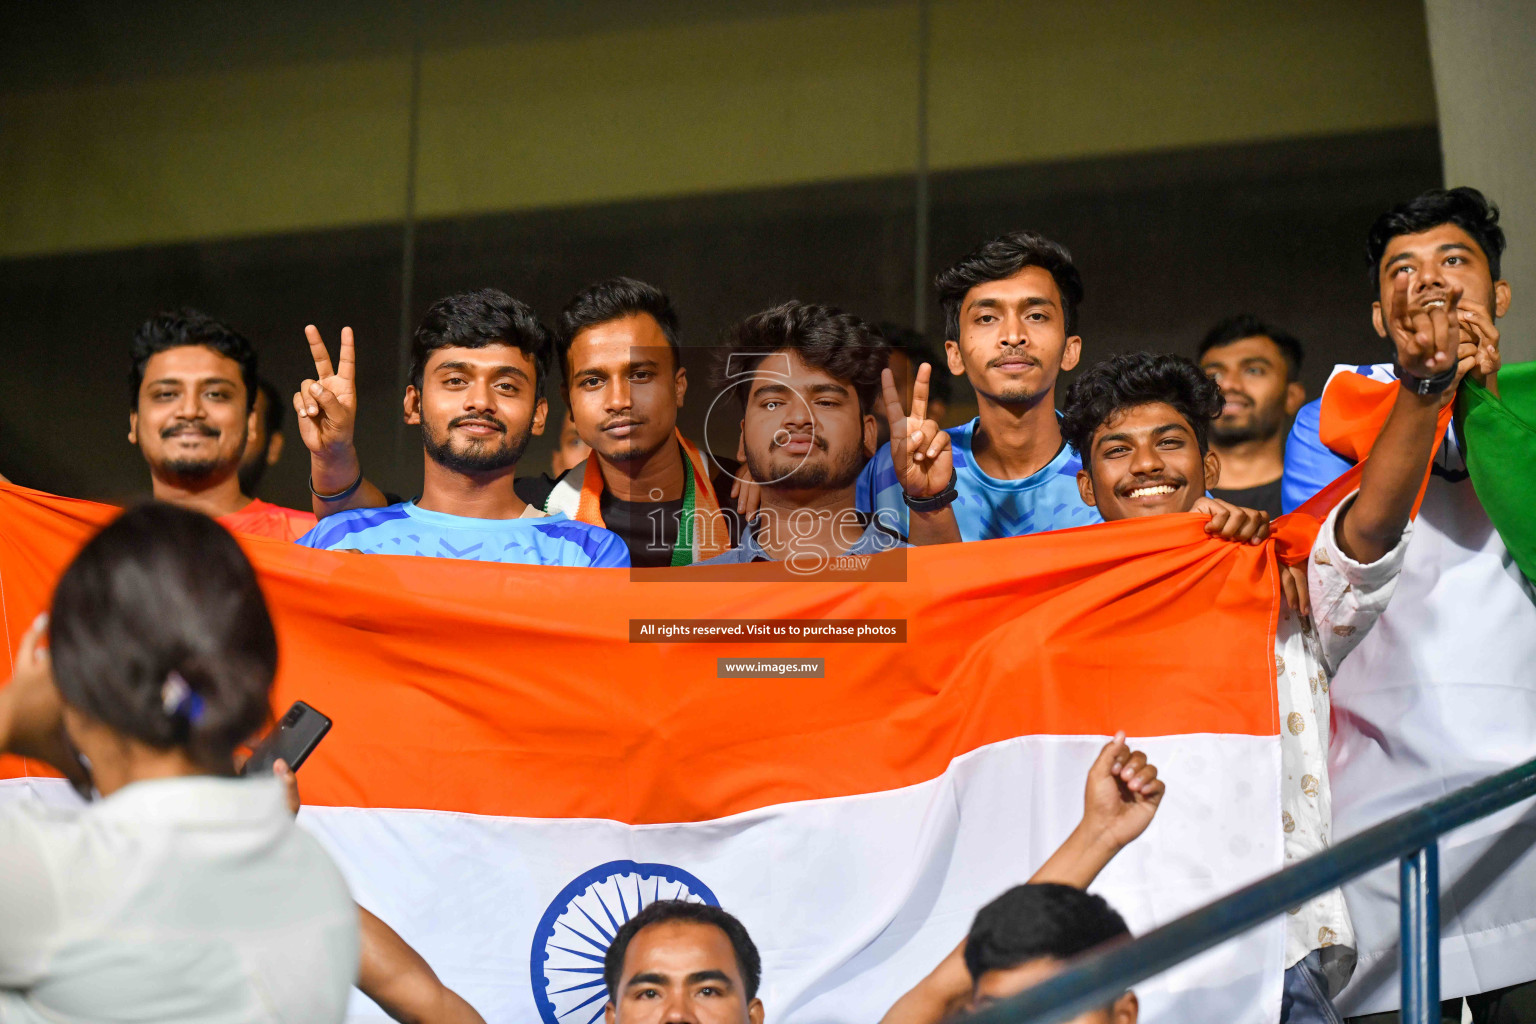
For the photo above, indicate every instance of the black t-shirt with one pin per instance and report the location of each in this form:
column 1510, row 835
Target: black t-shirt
column 1265, row 497
column 648, row 528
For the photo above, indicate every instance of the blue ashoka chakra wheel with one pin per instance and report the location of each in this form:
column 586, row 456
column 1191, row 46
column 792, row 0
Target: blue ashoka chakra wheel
column 566, row 964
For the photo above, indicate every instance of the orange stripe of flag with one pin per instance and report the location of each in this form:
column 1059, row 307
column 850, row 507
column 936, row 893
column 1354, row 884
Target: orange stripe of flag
column 514, row 690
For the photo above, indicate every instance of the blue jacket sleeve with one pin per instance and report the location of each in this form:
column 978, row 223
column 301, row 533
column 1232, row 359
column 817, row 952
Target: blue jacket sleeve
column 1309, row 464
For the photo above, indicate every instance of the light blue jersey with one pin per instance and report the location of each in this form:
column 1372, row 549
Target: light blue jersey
column 988, row 507
column 405, row 529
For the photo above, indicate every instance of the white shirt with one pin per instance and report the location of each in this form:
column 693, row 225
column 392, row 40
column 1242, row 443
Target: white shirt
column 1347, row 599
column 184, row 899
column 1441, row 695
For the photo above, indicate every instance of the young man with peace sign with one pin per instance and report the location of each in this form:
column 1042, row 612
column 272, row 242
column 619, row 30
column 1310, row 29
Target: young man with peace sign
column 1010, row 316
column 478, row 363
column 621, row 366
column 807, row 379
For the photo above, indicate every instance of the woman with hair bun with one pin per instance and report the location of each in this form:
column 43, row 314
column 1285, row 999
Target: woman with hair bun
column 186, row 893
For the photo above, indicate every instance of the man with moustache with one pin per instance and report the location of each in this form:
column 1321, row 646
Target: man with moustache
column 1258, row 368
column 193, row 387
column 678, row 962
column 807, row 378
column 622, row 366
column 478, row 361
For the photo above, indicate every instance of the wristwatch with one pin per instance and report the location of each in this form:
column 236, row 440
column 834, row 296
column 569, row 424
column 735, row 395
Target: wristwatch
column 935, row 503
column 1426, row 385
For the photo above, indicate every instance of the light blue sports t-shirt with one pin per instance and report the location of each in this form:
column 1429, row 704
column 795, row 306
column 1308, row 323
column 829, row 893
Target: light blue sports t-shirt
column 987, row 507
column 405, row 529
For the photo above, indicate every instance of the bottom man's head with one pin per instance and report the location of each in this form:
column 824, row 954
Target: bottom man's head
column 1141, row 425
column 677, row 962
column 807, row 377
column 1026, row 934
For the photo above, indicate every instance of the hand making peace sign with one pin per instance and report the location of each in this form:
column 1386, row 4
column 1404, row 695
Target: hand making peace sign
column 920, row 450
column 327, row 402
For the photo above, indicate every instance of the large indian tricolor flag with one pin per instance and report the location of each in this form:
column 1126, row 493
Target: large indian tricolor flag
column 510, row 776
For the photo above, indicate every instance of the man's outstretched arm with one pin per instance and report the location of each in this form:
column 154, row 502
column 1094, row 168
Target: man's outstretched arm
column 404, row 985
column 1119, row 801
column 389, row 971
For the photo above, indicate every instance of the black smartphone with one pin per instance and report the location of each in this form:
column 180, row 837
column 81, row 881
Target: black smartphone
column 297, row 734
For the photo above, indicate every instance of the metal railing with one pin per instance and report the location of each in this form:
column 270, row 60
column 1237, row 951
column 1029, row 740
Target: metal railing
column 1096, row 979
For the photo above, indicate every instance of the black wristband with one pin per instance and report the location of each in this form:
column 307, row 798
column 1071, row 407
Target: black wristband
column 1426, row 385
column 937, row 502
column 341, row 496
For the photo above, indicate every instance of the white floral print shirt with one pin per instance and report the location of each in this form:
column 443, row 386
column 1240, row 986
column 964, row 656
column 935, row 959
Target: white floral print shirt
column 1347, row 599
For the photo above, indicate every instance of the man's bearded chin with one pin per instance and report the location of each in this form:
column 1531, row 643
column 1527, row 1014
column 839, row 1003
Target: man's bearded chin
column 1255, row 426
column 478, row 456
column 792, row 473
column 191, row 471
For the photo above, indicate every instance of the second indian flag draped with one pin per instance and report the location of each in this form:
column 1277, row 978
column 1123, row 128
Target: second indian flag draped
column 509, row 777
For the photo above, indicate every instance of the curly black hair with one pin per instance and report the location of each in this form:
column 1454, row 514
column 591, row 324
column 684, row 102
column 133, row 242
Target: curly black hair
column 1138, row 378
column 825, row 337
column 1465, row 207
column 1000, row 258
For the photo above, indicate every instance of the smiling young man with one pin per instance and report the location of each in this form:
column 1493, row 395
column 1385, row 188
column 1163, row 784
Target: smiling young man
column 192, row 387
column 1258, row 368
column 622, row 366
column 1142, row 423
column 1010, row 315
column 807, row 379
column 478, row 361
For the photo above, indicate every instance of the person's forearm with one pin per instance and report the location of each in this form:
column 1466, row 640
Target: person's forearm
column 933, row 527
column 936, row 997
column 396, row 977
column 335, row 472
column 1391, row 478
column 1078, row 861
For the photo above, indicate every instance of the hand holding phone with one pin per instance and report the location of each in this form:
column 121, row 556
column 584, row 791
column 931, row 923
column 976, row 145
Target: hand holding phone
column 297, row 734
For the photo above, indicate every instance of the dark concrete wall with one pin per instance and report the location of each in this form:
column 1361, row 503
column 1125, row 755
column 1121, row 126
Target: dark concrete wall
column 1167, row 244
